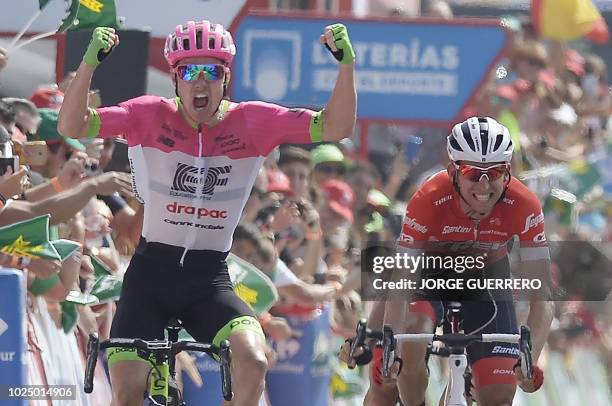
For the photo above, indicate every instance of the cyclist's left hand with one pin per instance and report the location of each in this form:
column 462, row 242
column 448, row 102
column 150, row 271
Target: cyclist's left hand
column 337, row 41
column 529, row 385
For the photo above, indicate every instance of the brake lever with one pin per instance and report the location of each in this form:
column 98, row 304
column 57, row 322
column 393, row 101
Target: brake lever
column 388, row 344
column 225, row 359
column 360, row 337
column 525, row 350
column 92, row 358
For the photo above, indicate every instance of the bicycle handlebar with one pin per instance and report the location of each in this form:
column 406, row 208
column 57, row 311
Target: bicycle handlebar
column 171, row 349
column 389, row 343
column 362, row 333
column 458, row 339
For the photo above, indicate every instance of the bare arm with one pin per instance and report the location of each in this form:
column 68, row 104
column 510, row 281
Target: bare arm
column 541, row 306
column 64, row 205
column 341, row 111
column 74, row 119
column 307, row 294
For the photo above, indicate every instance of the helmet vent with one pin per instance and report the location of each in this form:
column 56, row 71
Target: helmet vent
column 484, row 137
column 455, row 144
column 498, row 140
column 465, row 131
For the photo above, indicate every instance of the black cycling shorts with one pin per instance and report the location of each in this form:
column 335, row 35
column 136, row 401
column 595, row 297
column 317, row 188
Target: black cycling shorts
column 199, row 293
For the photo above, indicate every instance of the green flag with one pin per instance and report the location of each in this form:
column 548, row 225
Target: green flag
column 65, row 248
column 70, row 316
column 251, row 285
column 70, row 19
column 100, row 268
column 29, row 238
column 345, row 383
column 107, row 287
column 40, row 286
column 78, row 297
column 95, row 13
column 561, row 204
column 581, row 177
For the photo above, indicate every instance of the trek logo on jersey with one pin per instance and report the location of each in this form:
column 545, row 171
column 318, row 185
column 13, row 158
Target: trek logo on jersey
column 177, row 208
column 406, row 238
column 444, row 199
column 532, row 221
column 187, row 180
column 540, row 238
column 456, row 229
column 412, row 223
column 500, row 349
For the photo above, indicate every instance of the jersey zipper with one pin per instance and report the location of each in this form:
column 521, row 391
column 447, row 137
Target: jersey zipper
column 476, row 223
column 201, row 173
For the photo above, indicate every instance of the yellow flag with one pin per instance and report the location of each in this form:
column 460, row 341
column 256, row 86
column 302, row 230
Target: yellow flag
column 565, row 19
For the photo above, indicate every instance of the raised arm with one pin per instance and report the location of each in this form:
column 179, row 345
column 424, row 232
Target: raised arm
column 65, row 205
column 74, row 117
column 341, row 111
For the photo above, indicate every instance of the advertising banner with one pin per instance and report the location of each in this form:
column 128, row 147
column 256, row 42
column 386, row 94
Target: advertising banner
column 412, row 71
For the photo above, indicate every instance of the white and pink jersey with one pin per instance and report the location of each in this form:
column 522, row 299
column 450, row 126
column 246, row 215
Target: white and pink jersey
column 195, row 182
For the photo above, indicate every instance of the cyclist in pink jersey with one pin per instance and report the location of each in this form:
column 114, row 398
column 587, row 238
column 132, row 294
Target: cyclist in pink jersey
column 194, row 160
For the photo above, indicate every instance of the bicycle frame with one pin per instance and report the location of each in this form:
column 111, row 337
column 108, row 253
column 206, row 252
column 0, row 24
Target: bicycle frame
column 455, row 343
column 163, row 353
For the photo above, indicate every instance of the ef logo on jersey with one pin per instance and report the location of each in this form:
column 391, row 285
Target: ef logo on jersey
column 188, row 178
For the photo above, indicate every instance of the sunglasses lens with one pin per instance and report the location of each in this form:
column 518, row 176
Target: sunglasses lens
column 190, row 73
column 475, row 174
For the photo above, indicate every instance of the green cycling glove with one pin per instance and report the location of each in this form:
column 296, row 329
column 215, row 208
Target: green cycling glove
column 99, row 47
column 345, row 53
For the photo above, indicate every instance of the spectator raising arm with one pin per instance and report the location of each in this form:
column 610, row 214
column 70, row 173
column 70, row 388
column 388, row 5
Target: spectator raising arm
column 64, row 205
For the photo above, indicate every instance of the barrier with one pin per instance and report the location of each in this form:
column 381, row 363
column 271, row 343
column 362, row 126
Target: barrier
column 12, row 332
column 302, row 373
column 210, row 393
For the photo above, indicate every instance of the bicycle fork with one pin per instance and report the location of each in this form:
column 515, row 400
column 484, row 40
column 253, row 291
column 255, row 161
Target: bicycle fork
column 454, row 394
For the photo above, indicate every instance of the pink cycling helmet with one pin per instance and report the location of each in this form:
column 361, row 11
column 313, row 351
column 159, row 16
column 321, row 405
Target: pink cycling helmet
column 187, row 41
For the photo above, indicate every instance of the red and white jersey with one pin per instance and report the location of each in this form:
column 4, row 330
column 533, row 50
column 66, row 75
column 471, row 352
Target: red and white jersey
column 435, row 221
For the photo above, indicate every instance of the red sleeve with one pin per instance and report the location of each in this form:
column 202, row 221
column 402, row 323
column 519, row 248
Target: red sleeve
column 417, row 222
column 530, row 228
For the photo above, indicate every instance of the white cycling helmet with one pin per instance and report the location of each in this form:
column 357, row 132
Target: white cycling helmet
column 480, row 139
